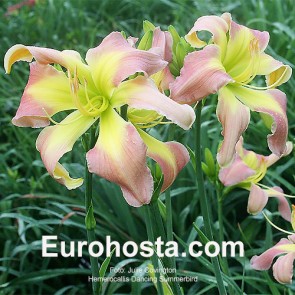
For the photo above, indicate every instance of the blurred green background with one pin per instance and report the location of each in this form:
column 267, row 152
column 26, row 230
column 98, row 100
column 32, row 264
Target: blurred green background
column 32, row 204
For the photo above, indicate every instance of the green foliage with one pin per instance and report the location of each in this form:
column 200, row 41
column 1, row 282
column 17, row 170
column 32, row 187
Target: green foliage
column 32, row 204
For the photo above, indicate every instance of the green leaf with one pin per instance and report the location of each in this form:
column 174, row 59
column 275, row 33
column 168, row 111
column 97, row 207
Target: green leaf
column 104, row 267
column 202, row 236
column 166, row 288
column 34, row 277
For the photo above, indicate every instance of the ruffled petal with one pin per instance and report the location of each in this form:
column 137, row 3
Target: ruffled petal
column 69, row 59
column 234, row 117
column 201, row 75
column 257, row 199
column 283, row 268
column 284, row 207
column 54, row 141
column 271, row 159
column 264, row 261
column 275, row 71
column 171, row 156
column 273, row 103
column 115, row 60
column 47, row 93
column 120, row 157
column 142, row 93
column 61, row 175
column 236, row 173
column 216, row 25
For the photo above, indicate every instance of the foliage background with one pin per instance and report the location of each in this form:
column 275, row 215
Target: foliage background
column 32, row 204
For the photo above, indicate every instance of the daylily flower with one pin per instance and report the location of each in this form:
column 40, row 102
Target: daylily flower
column 283, row 267
column 234, row 57
column 96, row 90
column 247, row 170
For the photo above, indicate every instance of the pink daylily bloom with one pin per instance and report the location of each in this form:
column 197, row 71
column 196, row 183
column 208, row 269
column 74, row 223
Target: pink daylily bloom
column 94, row 91
column 246, row 171
column 283, row 267
column 227, row 65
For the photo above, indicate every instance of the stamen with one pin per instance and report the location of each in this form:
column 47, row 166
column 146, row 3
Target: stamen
column 266, row 87
column 259, row 175
column 74, row 84
column 150, row 124
column 59, row 123
column 94, row 106
column 275, row 191
column 86, row 93
column 275, row 226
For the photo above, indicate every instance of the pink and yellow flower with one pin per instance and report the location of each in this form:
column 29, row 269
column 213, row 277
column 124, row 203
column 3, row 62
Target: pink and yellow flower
column 94, row 91
column 228, row 64
column 247, row 170
column 283, row 267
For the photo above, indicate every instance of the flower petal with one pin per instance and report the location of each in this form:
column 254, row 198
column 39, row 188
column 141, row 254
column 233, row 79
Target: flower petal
column 115, row 60
column 234, row 117
column 284, row 207
column 257, row 199
column 54, row 141
column 283, row 268
column 201, row 75
column 236, row 173
column 47, row 93
column 61, row 175
column 163, row 40
column 243, row 43
column 69, row 59
column 264, row 261
column 216, row 25
column 276, row 72
column 273, row 103
column 171, row 156
column 14, row 54
column 271, row 159
column 120, row 157
column 163, row 79
column 142, row 93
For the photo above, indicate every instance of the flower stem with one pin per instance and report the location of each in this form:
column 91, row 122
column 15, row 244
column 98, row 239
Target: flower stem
column 151, row 238
column 169, row 223
column 159, row 231
column 224, row 264
column 169, row 220
column 203, row 197
column 220, row 214
column 90, row 220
